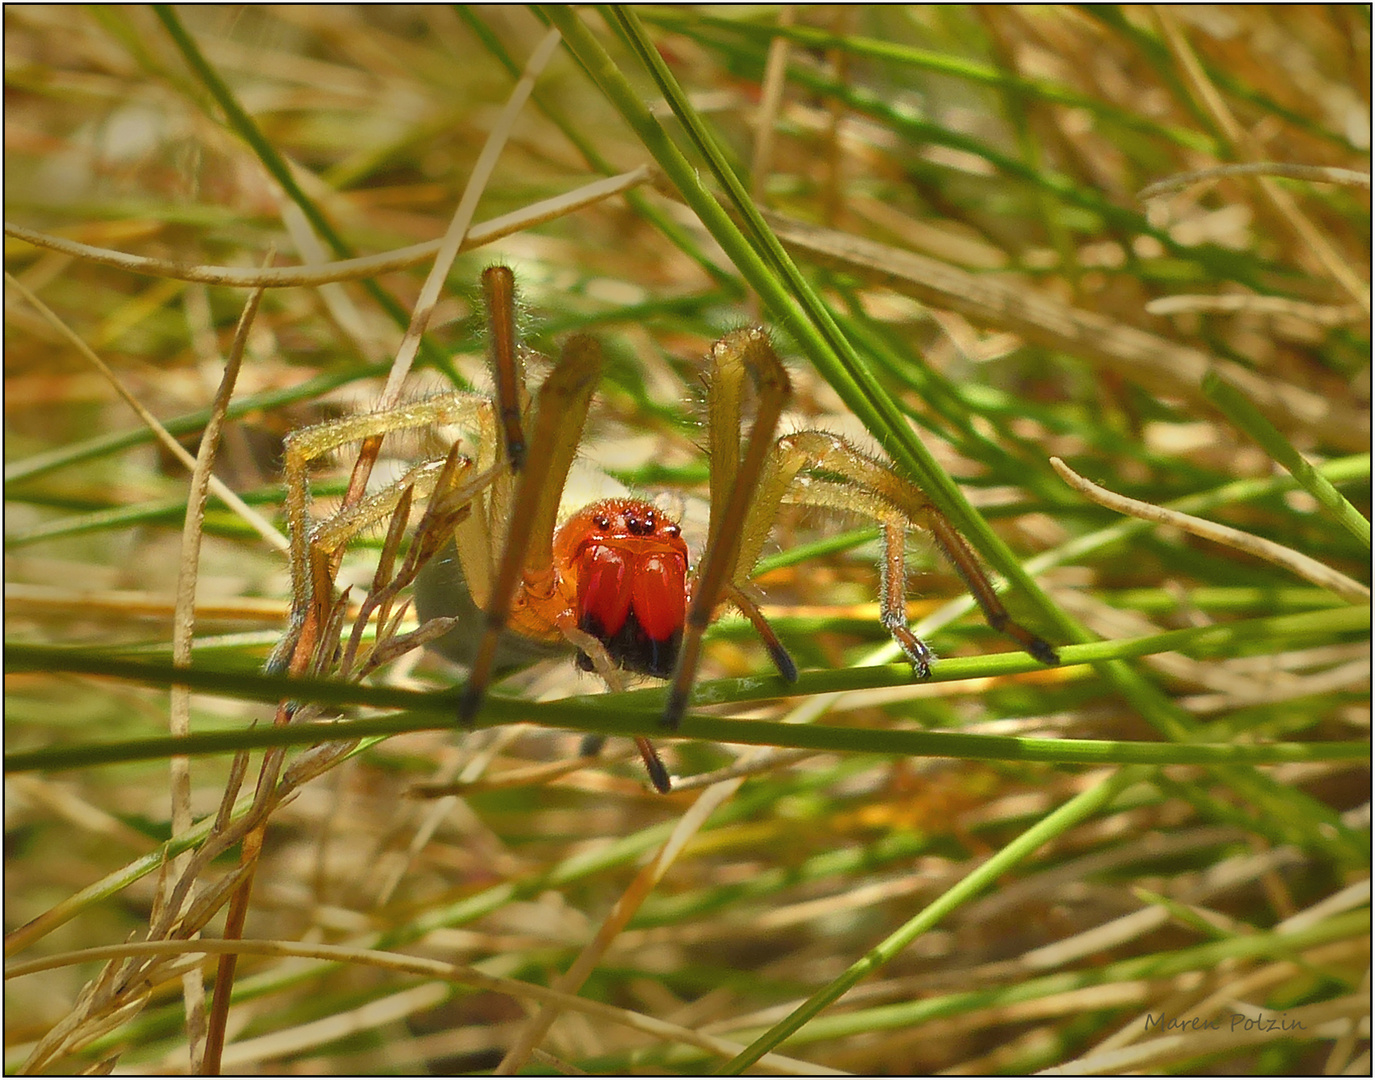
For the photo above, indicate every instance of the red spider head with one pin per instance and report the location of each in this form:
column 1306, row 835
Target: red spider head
column 629, row 563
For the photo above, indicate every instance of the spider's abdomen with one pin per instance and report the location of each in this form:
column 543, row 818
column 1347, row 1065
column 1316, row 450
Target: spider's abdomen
column 630, row 565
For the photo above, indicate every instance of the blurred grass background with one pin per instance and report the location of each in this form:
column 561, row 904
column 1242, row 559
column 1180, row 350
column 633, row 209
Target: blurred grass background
column 1006, row 143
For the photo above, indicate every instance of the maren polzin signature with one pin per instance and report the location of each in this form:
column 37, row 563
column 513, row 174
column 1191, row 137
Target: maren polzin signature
column 1235, row 1022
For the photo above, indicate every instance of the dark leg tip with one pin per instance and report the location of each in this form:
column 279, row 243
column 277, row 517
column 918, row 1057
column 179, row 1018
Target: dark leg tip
column 591, row 745
column 784, row 663
column 658, row 776
column 469, row 705
column 919, row 656
column 1043, row 652
column 674, row 710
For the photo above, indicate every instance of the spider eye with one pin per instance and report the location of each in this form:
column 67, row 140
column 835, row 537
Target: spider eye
column 640, row 526
column 601, row 521
column 672, row 531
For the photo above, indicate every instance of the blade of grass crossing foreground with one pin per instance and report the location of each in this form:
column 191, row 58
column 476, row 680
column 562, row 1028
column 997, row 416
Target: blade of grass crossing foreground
column 636, row 712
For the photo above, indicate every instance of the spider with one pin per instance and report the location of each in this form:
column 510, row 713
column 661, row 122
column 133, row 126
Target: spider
column 614, row 579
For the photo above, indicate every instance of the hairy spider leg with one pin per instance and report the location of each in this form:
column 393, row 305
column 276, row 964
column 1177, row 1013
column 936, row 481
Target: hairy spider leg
column 730, row 368
column 893, row 599
column 527, row 562
column 851, row 480
column 506, row 361
column 560, row 413
column 524, row 588
column 735, row 474
column 436, row 479
column 311, row 574
column 962, row 558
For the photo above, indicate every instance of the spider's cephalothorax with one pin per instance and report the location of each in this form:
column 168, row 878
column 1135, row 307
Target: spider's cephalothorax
column 612, row 580
column 628, row 567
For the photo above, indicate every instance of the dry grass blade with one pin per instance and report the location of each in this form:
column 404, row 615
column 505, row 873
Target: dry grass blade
column 183, row 627
column 402, row 963
column 1155, row 363
column 452, row 241
column 312, row 639
column 1319, row 314
column 1321, row 174
column 1297, row 562
column 281, row 277
column 260, row 525
column 1313, row 242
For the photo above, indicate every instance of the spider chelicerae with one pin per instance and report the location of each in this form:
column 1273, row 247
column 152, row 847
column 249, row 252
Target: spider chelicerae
column 614, row 579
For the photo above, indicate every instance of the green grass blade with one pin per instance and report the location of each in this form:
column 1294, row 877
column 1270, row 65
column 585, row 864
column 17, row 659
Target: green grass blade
column 1247, row 417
